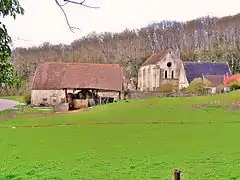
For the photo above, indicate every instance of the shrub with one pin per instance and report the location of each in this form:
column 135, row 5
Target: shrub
column 127, row 94
column 230, row 79
column 27, row 98
column 199, row 85
column 11, row 91
column 234, row 86
column 220, row 89
column 184, row 90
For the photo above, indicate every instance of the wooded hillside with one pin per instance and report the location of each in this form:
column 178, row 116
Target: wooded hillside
column 205, row 39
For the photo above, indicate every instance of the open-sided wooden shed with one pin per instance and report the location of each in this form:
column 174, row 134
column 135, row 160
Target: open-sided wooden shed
column 54, row 79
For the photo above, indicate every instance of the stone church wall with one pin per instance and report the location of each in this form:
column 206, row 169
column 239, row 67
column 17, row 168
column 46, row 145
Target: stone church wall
column 169, row 70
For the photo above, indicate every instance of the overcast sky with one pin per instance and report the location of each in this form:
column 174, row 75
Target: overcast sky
column 44, row 21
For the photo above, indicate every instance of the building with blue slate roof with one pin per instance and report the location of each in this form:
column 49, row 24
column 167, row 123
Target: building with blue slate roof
column 195, row 70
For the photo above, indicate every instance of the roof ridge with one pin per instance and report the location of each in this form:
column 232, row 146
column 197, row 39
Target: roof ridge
column 52, row 62
column 193, row 62
column 69, row 75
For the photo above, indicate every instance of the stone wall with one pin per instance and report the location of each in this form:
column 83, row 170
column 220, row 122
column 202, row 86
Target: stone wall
column 168, row 85
column 149, row 94
column 51, row 97
column 183, row 82
column 54, row 97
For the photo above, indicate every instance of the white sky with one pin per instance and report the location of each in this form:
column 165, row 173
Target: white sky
column 43, row 20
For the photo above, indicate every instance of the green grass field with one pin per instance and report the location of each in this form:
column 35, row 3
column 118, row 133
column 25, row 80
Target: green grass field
column 139, row 139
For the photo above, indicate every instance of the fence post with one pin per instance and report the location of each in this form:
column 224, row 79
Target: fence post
column 176, row 174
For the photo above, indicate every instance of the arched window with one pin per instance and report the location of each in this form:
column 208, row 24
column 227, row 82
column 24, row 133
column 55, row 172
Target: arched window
column 149, row 78
column 144, row 78
column 154, row 77
column 165, row 74
column 172, row 74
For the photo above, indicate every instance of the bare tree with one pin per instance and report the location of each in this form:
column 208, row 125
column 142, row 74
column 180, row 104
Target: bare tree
column 199, row 39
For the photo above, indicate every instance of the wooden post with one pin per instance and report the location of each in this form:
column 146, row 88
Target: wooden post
column 119, row 95
column 176, row 174
column 66, row 95
column 96, row 97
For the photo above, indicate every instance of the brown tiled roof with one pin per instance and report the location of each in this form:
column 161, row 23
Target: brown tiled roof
column 53, row 75
column 215, row 80
column 153, row 59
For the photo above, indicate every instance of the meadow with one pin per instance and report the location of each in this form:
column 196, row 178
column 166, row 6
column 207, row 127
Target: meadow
column 135, row 139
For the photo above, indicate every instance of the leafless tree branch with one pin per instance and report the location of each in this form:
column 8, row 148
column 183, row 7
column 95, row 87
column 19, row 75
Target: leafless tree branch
column 64, row 3
column 73, row 2
column 66, row 18
column 81, row 3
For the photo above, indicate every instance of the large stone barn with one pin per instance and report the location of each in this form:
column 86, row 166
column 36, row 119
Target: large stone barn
column 55, row 83
column 167, row 68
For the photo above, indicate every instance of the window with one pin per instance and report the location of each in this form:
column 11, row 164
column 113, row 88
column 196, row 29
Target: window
column 144, row 78
column 165, row 74
column 144, row 73
column 154, row 78
column 172, row 74
column 169, row 64
column 149, row 77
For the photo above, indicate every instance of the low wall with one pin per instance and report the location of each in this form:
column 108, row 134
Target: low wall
column 142, row 95
column 54, row 97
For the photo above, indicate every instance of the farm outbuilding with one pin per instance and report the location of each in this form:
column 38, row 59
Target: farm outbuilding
column 215, row 80
column 75, row 83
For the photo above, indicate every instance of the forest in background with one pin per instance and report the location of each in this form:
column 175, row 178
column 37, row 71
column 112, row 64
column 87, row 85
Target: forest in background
column 203, row 39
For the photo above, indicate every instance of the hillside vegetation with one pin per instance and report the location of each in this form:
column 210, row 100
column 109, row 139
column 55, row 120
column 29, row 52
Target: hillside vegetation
column 205, row 39
column 139, row 139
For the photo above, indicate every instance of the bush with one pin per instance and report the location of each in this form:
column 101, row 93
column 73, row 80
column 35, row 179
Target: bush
column 234, row 86
column 199, row 85
column 11, row 91
column 184, row 90
column 220, row 89
column 27, row 98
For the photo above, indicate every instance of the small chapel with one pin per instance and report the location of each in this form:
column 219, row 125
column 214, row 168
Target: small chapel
column 168, row 68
